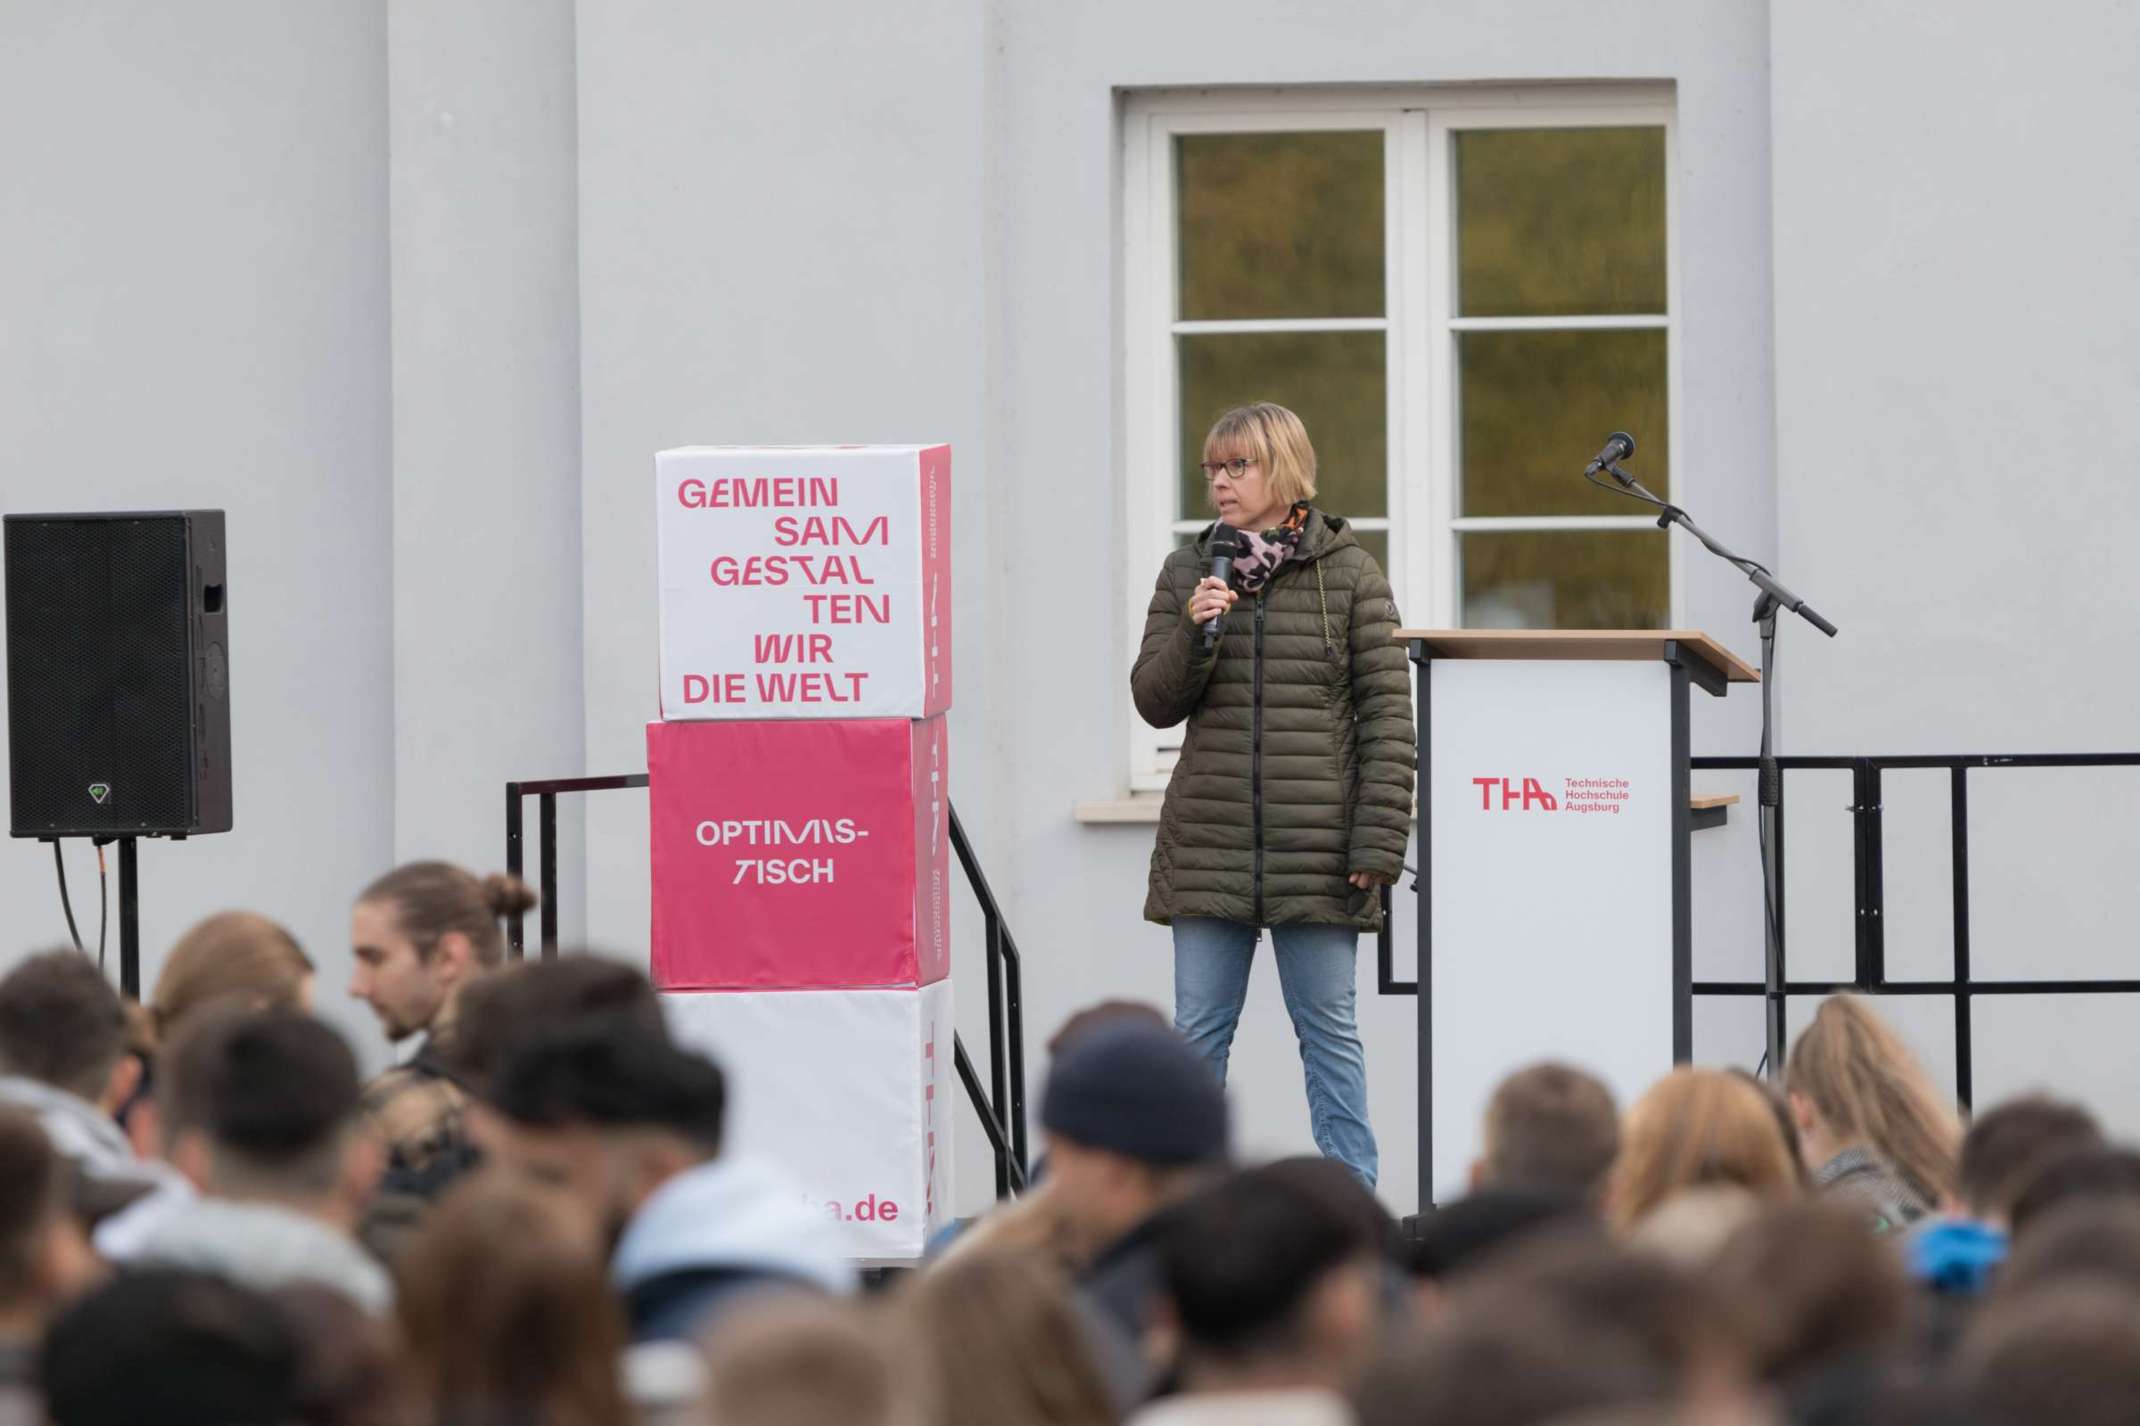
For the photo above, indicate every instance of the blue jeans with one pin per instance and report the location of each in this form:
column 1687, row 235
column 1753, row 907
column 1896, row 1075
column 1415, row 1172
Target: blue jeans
column 1315, row 972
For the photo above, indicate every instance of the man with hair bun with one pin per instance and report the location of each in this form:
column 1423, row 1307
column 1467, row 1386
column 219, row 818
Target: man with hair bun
column 420, row 935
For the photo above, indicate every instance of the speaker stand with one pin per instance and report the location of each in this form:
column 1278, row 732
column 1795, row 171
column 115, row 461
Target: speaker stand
column 129, row 919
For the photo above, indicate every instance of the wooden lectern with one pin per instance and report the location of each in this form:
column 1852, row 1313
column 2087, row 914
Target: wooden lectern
column 1555, row 914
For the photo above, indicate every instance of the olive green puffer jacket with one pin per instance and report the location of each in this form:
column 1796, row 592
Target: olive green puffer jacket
column 1297, row 766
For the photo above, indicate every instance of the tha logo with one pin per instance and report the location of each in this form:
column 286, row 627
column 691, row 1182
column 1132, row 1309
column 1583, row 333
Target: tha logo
column 100, row 793
column 1530, row 796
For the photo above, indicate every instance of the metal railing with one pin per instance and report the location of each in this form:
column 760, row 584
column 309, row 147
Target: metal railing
column 1869, row 893
column 1000, row 1105
column 1869, row 972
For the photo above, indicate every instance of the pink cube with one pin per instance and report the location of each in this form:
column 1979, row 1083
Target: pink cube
column 799, row 855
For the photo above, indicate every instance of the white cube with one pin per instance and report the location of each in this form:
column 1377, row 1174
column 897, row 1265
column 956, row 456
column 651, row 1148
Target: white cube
column 849, row 1092
column 804, row 581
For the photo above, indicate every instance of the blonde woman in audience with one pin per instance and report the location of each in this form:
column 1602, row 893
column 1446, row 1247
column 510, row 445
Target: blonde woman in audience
column 1006, row 1343
column 233, row 955
column 1697, row 1128
column 506, row 1312
column 812, row 1361
column 1870, row 1123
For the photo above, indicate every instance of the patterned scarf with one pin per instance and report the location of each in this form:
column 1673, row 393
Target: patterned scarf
column 1269, row 550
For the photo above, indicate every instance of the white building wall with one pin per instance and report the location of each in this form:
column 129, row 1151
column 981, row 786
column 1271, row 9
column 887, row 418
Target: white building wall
column 193, row 277
column 486, row 472
column 1956, row 356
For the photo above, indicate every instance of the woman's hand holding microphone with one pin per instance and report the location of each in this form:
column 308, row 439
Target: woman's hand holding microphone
column 1210, row 599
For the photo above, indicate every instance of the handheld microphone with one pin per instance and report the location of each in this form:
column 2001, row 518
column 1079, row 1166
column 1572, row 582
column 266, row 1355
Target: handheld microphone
column 1618, row 447
column 1227, row 545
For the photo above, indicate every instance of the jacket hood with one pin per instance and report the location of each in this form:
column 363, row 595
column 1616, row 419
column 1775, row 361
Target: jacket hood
column 263, row 1246
column 85, row 1136
column 731, row 1213
column 1324, row 534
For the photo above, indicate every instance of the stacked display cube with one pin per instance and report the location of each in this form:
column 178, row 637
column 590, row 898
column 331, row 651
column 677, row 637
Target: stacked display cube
column 800, row 813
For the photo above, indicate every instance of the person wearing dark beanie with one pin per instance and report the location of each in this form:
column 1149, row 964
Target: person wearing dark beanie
column 1135, row 1122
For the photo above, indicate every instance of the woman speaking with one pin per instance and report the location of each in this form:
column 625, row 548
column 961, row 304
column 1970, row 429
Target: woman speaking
column 1293, row 797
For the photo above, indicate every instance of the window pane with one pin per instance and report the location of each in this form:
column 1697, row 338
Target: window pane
column 1332, row 380
column 1376, row 543
column 1280, row 225
column 1565, row 579
column 1538, row 405
column 1553, row 222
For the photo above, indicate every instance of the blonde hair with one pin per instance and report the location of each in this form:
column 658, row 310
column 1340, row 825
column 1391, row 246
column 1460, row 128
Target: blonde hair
column 1697, row 1127
column 1002, row 1333
column 232, row 955
column 1869, row 1088
column 794, row 1360
column 1274, row 438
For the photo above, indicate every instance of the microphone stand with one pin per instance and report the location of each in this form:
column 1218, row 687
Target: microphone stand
column 1772, row 596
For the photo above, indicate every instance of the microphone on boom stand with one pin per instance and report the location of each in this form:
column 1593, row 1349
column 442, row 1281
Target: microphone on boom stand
column 1618, row 447
column 1769, row 777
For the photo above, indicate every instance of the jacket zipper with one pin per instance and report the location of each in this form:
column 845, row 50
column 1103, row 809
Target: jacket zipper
column 1255, row 757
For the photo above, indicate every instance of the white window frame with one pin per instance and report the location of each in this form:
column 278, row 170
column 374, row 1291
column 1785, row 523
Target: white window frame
column 1417, row 124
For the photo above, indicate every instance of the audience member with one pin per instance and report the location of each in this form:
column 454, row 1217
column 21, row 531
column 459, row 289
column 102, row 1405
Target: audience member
column 2068, row 1353
column 2008, row 1143
column 1471, row 1233
column 1779, row 1105
column 803, row 1361
column 1872, row 1127
column 1511, row 1362
column 421, row 935
column 236, row 956
column 1681, row 1324
column 2089, row 1238
column 632, row 1127
column 63, row 1054
column 1691, row 1227
column 1827, row 1309
column 1040, row 1222
column 500, row 1013
column 494, row 1015
column 2076, row 1175
column 44, row 1261
column 504, row 1311
column 1956, row 1254
column 1697, row 1127
column 1135, row 1122
column 1004, row 1343
column 1275, row 1296
column 1550, row 1129
column 348, row 1371
column 260, row 1109
column 173, row 1347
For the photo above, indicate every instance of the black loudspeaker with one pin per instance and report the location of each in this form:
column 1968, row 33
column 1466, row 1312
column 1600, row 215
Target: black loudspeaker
column 118, row 675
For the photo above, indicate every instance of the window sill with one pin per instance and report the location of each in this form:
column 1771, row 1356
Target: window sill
column 1138, row 808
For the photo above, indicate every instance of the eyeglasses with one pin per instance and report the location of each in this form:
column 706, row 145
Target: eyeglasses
column 1237, row 467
